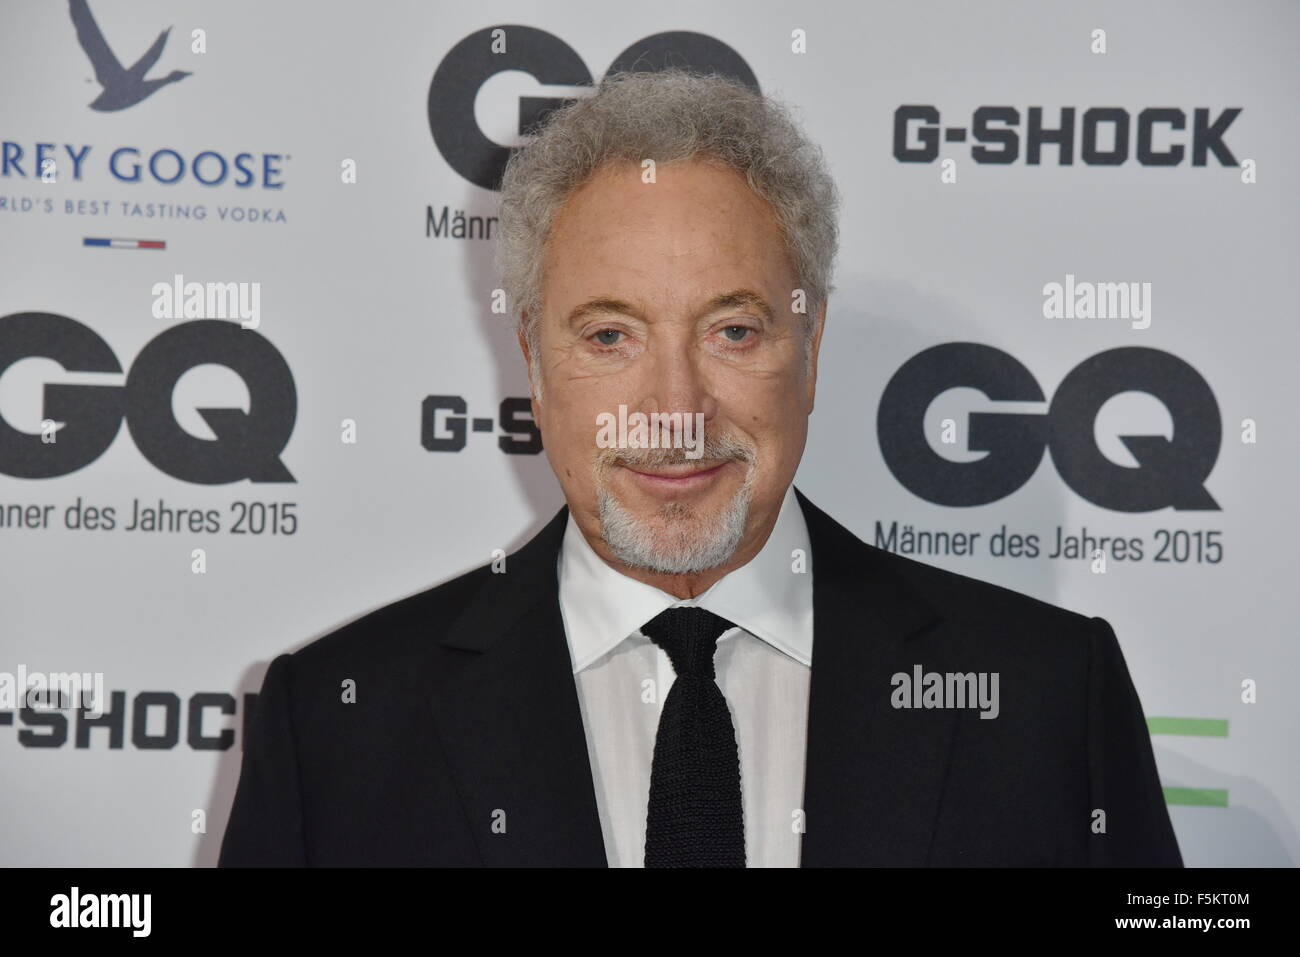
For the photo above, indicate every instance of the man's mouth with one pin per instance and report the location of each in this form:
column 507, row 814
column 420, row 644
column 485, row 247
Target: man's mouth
column 668, row 477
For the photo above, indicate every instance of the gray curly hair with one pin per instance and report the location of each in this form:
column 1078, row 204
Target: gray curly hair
column 667, row 115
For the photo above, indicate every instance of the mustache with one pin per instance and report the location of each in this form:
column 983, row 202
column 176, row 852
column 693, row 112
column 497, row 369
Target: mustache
column 717, row 448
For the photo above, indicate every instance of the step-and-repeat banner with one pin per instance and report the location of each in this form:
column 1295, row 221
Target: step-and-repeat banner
column 252, row 384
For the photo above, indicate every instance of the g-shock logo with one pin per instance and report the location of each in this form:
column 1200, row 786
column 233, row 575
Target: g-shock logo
column 445, row 424
column 550, row 61
column 1103, row 135
column 1171, row 471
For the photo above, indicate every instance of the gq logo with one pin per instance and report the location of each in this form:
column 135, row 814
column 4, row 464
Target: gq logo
column 247, row 446
column 1170, row 472
column 552, row 62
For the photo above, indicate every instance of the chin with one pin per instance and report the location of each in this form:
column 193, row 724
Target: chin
column 674, row 537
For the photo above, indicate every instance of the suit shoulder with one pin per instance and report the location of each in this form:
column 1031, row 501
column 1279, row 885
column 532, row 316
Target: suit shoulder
column 964, row 599
column 1014, row 633
column 401, row 629
column 958, row 598
column 968, row 590
column 406, row 641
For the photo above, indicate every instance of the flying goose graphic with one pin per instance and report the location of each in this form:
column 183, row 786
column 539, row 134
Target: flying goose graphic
column 122, row 87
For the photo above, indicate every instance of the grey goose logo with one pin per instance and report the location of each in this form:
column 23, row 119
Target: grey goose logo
column 122, row 87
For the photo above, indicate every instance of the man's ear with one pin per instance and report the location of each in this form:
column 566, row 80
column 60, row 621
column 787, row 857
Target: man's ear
column 814, row 348
column 528, row 364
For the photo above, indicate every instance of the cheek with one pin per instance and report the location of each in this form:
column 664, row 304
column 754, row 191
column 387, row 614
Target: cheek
column 574, row 408
column 777, row 428
column 762, row 407
column 570, row 431
column 569, row 449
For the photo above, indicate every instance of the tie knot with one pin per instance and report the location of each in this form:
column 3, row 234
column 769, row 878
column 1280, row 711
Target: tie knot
column 689, row 634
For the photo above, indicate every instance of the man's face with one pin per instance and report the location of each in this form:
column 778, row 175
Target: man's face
column 673, row 296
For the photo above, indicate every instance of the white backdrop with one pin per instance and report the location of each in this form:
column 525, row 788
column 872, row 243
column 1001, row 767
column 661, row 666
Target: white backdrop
column 371, row 314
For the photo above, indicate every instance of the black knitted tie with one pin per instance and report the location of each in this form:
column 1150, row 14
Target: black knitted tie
column 695, row 817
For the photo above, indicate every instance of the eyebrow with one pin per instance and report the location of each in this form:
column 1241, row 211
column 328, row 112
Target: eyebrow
column 739, row 299
column 600, row 306
column 736, row 299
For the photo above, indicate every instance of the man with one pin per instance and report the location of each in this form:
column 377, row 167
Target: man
column 691, row 664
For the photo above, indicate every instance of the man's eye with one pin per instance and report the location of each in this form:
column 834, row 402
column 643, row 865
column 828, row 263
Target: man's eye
column 743, row 330
column 601, row 337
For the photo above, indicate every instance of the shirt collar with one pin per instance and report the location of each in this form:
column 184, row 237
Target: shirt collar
column 769, row 599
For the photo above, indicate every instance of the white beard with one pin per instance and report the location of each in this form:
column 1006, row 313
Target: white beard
column 689, row 544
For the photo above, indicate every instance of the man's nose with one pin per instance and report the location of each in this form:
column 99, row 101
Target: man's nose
column 676, row 382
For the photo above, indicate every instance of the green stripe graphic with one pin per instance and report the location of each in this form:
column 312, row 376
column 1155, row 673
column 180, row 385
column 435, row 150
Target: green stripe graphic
column 1201, row 727
column 1197, row 797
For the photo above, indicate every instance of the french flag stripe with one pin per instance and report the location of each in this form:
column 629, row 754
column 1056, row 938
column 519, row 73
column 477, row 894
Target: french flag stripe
column 125, row 243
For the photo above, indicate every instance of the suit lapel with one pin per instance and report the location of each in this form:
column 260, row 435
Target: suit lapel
column 874, row 774
column 509, row 720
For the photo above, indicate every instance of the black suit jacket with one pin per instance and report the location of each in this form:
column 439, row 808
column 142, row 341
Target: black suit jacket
column 466, row 718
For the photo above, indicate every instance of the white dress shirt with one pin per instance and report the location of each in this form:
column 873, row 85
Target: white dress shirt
column 763, row 668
